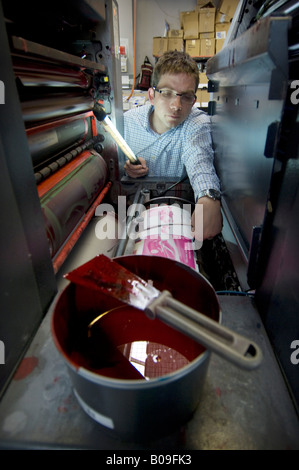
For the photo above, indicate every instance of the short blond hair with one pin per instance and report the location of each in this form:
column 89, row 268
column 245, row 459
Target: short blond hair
column 175, row 62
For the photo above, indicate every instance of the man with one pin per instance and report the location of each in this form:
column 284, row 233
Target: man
column 170, row 136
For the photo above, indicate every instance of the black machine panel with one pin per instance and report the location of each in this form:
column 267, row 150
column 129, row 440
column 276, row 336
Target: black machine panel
column 255, row 118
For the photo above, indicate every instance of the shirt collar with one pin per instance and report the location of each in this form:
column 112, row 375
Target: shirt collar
column 147, row 121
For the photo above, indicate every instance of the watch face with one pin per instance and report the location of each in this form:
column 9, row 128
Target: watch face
column 214, row 194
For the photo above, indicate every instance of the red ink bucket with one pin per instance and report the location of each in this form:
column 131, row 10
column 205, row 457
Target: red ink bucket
column 137, row 377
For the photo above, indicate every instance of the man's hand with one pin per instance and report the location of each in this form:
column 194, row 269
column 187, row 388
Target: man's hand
column 212, row 219
column 136, row 171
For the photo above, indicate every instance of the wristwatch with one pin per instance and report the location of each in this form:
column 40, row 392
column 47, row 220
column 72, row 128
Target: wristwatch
column 212, row 193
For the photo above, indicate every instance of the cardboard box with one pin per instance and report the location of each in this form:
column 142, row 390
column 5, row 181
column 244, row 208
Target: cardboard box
column 176, row 33
column 182, row 14
column 190, row 24
column 228, row 7
column 207, row 35
column 221, row 30
column 206, row 22
column 160, row 45
column 203, row 97
column 222, row 18
column 198, row 95
column 203, row 79
column 192, row 47
column 219, row 45
column 207, row 47
column 176, row 44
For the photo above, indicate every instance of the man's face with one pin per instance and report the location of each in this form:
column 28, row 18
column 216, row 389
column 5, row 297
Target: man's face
column 171, row 112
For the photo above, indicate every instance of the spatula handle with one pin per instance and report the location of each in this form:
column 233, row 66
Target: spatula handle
column 208, row 332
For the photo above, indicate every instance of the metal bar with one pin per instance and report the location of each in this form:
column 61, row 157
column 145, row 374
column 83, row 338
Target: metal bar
column 53, row 124
column 32, row 73
column 55, row 106
column 48, row 184
column 69, row 245
column 30, row 47
column 138, row 199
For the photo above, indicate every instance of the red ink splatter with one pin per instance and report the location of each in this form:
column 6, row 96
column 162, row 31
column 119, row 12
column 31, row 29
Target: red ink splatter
column 68, row 400
column 27, row 365
column 218, row 392
column 62, row 409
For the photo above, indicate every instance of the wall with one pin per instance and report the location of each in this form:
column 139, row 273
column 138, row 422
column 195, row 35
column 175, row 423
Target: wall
column 126, row 32
column 151, row 16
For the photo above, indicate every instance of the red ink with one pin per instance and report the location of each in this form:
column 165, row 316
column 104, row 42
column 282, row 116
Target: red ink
column 108, row 277
column 62, row 409
column 27, row 365
column 126, row 344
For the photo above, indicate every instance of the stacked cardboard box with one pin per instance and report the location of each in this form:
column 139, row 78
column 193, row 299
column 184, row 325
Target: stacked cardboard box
column 160, row 45
column 202, row 31
column 176, row 40
column 221, row 30
column 202, row 97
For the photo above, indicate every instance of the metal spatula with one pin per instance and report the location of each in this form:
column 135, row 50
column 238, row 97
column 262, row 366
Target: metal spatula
column 110, row 278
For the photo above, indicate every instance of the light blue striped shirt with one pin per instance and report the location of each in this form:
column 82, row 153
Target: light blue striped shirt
column 187, row 147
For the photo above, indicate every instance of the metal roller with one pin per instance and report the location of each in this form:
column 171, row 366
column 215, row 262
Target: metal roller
column 48, row 142
column 66, row 196
column 56, row 106
column 32, row 74
column 165, row 231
